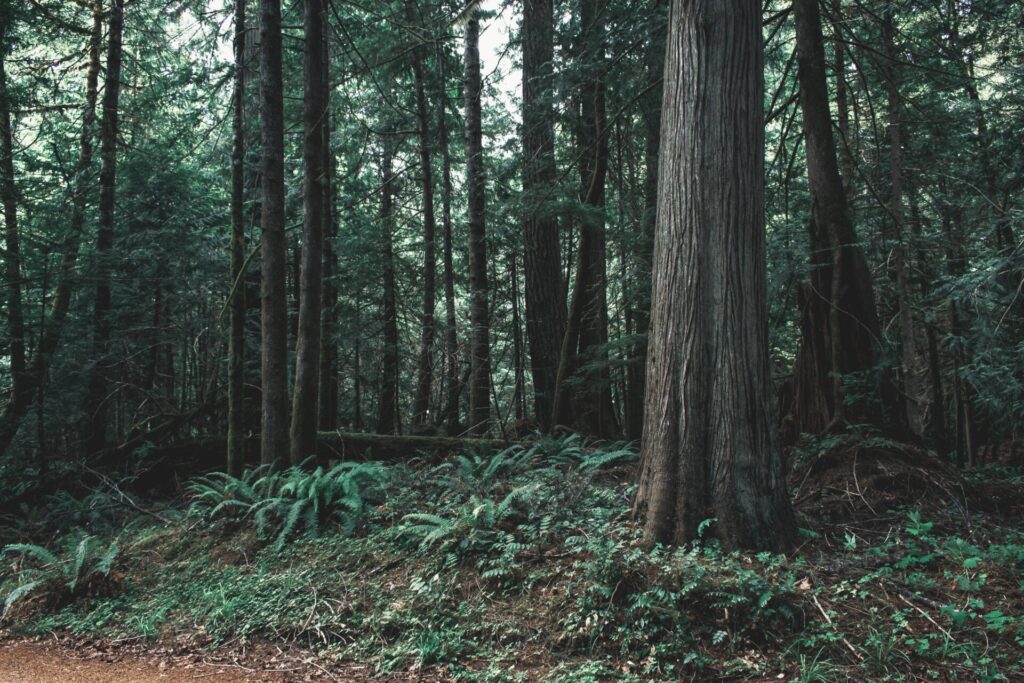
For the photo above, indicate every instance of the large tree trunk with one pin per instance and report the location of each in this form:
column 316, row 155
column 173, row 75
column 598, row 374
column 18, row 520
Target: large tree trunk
column 306, row 394
column 709, row 448
column 542, row 260
column 387, row 412
column 425, row 366
column 840, row 334
column 480, row 344
column 96, row 398
column 21, row 389
column 236, row 342
column 273, row 300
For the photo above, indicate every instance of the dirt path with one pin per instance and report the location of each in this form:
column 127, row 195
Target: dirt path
column 22, row 662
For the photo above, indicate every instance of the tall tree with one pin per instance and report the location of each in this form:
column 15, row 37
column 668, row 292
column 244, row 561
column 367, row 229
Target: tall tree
column 305, row 411
column 21, row 390
column 840, row 333
column 329, row 384
column 584, row 345
column 450, row 413
column 388, row 419
column 545, row 302
column 273, row 299
column 709, row 447
column 97, row 401
column 49, row 336
column 480, row 343
column 236, row 342
column 425, row 366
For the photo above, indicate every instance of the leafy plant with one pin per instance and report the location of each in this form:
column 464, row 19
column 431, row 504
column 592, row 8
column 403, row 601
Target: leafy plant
column 72, row 573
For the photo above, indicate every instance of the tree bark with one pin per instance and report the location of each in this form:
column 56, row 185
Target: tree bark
column 450, row 414
column 584, row 346
column 236, row 342
column 306, row 394
column 21, row 388
column 544, row 290
column 328, row 401
column 709, row 449
column 97, row 400
column 425, row 369
column 387, row 413
column 840, row 333
column 480, row 353
column 49, row 337
column 274, row 440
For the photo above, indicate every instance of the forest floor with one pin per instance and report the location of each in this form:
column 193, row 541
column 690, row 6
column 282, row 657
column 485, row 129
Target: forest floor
column 521, row 565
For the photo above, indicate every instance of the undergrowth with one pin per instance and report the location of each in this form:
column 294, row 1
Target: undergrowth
column 525, row 565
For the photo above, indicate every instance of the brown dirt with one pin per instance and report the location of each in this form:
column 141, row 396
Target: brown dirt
column 27, row 662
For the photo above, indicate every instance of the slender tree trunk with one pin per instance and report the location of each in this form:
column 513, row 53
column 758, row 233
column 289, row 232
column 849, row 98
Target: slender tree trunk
column 450, row 416
column 519, row 394
column 849, row 166
column 306, row 394
column 545, row 299
column 425, row 369
column 329, row 333
column 50, row 335
column 840, row 334
column 387, row 414
column 916, row 392
column 636, row 373
column 273, row 300
column 480, row 352
column 22, row 389
column 236, row 342
column 584, row 346
column 97, row 399
column 709, row 448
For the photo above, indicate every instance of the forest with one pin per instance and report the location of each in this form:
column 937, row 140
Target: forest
column 512, row 340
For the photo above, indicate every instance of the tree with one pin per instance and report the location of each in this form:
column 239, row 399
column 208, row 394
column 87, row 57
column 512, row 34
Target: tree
column 425, row 366
column 840, row 333
column 388, row 418
column 306, row 394
column 273, row 307
column 236, row 349
column 545, row 304
column 97, row 400
column 709, row 447
column 480, row 342
column 21, row 389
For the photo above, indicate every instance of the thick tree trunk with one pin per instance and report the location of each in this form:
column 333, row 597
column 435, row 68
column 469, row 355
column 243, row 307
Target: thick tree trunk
column 387, row 413
column 273, row 300
column 306, row 394
column 544, row 290
column 236, row 342
column 479, row 347
column 21, row 388
column 425, row 369
column 709, row 448
column 96, row 405
column 840, row 334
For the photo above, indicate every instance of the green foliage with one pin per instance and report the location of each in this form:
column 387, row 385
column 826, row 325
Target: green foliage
column 71, row 572
column 282, row 503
